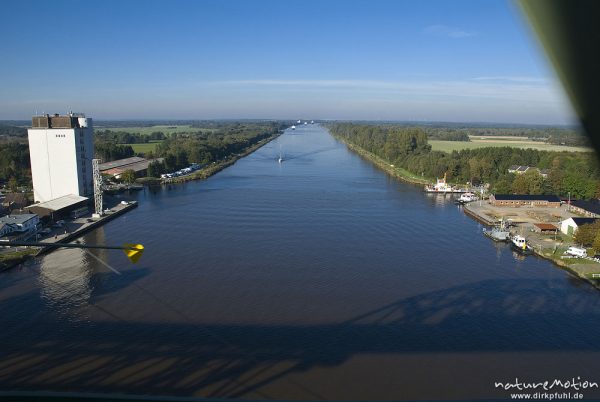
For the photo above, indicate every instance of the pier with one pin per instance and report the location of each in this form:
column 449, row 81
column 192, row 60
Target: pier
column 84, row 225
column 479, row 215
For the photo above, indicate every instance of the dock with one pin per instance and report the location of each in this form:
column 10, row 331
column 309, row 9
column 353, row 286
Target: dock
column 478, row 215
column 84, row 225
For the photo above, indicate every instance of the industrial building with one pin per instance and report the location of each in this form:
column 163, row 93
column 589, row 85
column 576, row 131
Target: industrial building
column 588, row 208
column 67, row 206
column 61, row 149
column 135, row 163
column 516, row 200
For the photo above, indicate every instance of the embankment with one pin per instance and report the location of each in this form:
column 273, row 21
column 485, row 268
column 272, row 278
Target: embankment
column 384, row 165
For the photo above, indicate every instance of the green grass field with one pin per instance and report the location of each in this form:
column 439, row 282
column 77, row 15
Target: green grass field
column 449, row 146
column 164, row 129
column 143, row 148
column 149, row 130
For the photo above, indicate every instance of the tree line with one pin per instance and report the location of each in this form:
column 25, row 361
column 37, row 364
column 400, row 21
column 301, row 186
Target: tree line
column 179, row 151
column 15, row 167
column 576, row 173
column 461, row 131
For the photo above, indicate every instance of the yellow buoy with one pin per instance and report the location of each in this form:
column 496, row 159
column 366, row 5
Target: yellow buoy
column 133, row 251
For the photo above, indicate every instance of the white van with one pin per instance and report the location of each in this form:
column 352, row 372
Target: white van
column 576, row 252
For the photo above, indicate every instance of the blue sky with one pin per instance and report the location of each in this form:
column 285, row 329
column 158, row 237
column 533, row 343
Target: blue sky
column 379, row 60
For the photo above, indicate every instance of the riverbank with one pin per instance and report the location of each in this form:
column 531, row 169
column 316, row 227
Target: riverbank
column 552, row 253
column 549, row 247
column 13, row 258
column 215, row 168
column 384, row 165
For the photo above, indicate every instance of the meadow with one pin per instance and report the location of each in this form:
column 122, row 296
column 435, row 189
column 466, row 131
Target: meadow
column 490, row 141
column 167, row 130
column 143, row 148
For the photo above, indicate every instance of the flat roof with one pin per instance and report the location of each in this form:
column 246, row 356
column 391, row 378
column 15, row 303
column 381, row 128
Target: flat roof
column 120, row 162
column 60, row 202
column 526, row 197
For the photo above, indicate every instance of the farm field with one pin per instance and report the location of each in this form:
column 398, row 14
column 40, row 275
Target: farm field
column 143, row 148
column 149, row 130
column 167, row 130
column 517, row 142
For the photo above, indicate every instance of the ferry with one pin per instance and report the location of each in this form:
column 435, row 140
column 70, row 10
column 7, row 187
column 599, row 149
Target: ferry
column 519, row 244
column 443, row 187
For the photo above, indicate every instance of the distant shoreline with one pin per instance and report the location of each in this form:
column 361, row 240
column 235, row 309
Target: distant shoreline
column 402, row 174
column 205, row 173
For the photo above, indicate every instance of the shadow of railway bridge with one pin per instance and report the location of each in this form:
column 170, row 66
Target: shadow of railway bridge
column 239, row 360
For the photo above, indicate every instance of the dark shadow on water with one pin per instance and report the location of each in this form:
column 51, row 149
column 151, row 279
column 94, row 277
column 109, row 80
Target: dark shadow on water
column 238, row 360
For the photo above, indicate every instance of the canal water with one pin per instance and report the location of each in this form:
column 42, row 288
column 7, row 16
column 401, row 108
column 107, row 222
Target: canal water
column 317, row 278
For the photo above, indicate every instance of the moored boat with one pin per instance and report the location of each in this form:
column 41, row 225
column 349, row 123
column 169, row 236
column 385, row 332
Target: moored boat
column 441, row 186
column 519, row 244
column 498, row 233
column 468, row 197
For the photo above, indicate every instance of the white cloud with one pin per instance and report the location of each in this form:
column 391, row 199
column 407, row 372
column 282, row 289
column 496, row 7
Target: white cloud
column 450, row 32
column 507, row 88
column 513, row 79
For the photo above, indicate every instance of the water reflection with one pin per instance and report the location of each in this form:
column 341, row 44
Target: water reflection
column 65, row 280
column 69, row 276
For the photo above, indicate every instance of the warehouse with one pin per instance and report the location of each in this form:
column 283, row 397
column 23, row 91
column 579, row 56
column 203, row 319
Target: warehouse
column 68, row 206
column 514, row 200
column 135, row 163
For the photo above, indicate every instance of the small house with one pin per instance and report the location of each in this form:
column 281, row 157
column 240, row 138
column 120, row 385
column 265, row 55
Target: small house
column 14, row 201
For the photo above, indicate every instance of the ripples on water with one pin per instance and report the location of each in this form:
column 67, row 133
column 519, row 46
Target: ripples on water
column 320, row 277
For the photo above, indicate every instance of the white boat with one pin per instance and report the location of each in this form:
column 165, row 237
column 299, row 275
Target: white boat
column 519, row 243
column 442, row 187
column 293, row 127
column 468, row 197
